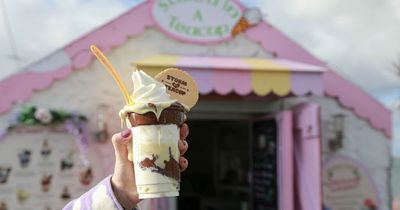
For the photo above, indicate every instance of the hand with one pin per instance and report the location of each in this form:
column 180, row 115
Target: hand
column 123, row 179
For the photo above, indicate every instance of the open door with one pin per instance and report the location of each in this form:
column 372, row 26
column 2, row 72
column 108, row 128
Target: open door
column 272, row 162
column 307, row 157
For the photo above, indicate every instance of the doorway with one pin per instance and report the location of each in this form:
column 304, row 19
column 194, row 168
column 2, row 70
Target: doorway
column 218, row 176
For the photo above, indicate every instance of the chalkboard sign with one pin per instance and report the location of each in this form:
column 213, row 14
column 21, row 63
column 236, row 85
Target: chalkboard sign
column 265, row 166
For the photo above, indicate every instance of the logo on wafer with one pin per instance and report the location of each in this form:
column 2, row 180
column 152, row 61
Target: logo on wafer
column 180, row 85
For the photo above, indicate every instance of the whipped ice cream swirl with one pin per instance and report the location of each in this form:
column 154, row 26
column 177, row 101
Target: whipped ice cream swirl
column 149, row 95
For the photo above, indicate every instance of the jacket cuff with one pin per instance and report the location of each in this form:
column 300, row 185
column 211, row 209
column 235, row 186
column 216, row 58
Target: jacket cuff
column 110, row 192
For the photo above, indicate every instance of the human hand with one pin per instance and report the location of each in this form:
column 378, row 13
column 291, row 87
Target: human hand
column 123, row 179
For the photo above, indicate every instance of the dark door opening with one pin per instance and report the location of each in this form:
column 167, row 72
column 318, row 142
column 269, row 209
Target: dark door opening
column 218, row 176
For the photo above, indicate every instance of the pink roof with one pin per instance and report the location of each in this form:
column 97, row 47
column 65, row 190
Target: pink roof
column 76, row 56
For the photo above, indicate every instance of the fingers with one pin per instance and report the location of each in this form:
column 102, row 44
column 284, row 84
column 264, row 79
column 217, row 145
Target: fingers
column 184, row 132
column 183, row 146
column 120, row 142
column 183, row 163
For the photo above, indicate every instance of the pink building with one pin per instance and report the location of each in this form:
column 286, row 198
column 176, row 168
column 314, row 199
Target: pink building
column 275, row 128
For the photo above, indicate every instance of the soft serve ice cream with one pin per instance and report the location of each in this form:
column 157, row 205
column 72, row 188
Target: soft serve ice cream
column 149, row 95
column 154, row 119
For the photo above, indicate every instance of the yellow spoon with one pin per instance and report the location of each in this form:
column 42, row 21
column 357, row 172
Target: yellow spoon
column 110, row 68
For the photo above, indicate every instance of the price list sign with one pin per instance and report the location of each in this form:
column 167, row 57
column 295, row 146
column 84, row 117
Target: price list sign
column 264, row 188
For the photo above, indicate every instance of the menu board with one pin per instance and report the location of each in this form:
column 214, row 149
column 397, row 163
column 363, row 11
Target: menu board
column 42, row 170
column 265, row 183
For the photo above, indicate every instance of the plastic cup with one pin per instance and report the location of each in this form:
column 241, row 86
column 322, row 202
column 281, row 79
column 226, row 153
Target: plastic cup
column 155, row 151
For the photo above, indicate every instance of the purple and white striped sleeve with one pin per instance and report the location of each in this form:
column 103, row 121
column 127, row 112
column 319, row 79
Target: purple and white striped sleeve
column 100, row 196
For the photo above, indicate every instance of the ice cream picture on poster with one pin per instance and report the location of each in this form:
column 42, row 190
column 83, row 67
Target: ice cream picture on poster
column 155, row 111
column 347, row 185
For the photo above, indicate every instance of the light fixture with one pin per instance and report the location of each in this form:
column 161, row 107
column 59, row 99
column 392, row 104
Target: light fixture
column 336, row 142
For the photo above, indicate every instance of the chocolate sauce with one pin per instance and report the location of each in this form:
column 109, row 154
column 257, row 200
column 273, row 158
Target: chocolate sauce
column 149, row 163
column 171, row 167
column 175, row 114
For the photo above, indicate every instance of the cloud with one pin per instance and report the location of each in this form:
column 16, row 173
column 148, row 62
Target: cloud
column 42, row 26
column 358, row 39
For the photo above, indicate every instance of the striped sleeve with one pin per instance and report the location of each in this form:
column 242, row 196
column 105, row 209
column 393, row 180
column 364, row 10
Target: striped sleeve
column 100, row 196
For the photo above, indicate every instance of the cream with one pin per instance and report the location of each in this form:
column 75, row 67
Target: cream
column 149, row 95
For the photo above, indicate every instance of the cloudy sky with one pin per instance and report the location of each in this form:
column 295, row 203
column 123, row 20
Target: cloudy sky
column 358, row 38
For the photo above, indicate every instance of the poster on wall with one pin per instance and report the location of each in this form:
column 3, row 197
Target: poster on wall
column 347, row 185
column 42, row 169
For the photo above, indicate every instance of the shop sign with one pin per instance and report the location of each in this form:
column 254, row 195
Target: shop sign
column 197, row 20
column 347, row 185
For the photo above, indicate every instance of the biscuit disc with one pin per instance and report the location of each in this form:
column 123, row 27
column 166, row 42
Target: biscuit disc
column 180, row 85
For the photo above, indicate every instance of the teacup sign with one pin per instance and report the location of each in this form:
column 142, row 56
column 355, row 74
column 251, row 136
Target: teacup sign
column 201, row 21
column 180, row 85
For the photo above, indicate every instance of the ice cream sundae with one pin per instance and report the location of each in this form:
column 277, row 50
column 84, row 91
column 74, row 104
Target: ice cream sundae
column 155, row 118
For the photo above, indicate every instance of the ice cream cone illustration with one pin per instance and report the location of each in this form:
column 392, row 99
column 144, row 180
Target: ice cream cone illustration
column 22, row 195
column 24, row 158
column 65, row 193
column 369, row 204
column 4, row 174
column 46, row 182
column 250, row 18
column 67, row 162
column 86, row 177
column 46, row 151
column 241, row 26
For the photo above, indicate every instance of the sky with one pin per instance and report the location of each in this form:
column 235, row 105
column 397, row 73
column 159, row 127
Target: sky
column 360, row 39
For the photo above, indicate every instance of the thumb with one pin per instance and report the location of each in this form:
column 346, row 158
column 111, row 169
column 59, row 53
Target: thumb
column 121, row 142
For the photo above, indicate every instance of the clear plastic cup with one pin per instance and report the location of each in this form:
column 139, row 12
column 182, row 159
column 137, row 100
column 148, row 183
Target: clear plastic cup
column 155, row 151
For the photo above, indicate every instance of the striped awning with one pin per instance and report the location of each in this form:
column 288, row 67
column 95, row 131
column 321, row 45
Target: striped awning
column 242, row 75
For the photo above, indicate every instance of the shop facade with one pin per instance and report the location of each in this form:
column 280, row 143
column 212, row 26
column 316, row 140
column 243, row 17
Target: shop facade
column 270, row 120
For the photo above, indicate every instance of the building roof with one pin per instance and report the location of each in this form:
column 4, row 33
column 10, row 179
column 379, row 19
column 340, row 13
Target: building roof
column 289, row 55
